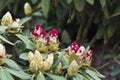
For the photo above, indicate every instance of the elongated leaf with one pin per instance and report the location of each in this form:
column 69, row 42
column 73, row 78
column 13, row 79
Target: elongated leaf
column 65, row 62
column 28, row 43
column 24, row 20
column 102, row 2
column 92, row 74
column 45, row 4
column 40, row 76
column 117, row 59
column 19, row 74
column 68, row 1
column 79, row 4
column 79, row 77
column 12, row 64
column 5, row 40
column 37, row 14
column 111, row 30
column 116, row 12
column 64, row 3
column 2, row 29
column 100, row 32
column 9, row 76
column 57, row 61
column 115, row 72
column 90, row 1
column 3, row 75
column 55, row 77
column 24, row 56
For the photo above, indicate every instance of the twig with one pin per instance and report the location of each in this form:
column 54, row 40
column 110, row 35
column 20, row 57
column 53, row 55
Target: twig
column 88, row 26
column 106, row 64
column 80, row 27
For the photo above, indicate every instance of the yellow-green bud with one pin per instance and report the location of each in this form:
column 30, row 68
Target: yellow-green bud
column 30, row 56
column 48, row 62
column 33, row 66
column 27, row 9
column 73, row 68
column 7, row 20
column 58, row 69
column 2, row 54
column 39, row 60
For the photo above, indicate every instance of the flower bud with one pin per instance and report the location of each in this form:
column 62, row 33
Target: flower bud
column 39, row 60
column 48, row 62
column 53, row 40
column 2, row 54
column 33, row 66
column 73, row 68
column 7, row 20
column 72, row 49
column 30, row 56
column 80, row 51
column 58, row 69
column 27, row 9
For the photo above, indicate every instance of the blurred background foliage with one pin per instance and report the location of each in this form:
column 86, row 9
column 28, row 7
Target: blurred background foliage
column 89, row 22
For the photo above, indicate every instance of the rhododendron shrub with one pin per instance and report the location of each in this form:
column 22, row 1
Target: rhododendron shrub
column 39, row 56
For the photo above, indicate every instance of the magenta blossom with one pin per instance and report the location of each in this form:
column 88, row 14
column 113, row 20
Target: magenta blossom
column 54, row 33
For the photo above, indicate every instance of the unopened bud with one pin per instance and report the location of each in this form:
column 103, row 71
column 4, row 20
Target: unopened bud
column 7, row 20
column 48, row 62
column 39, row 60
column 30, row 56
column 58, row 69
column 27, row 9
column 2, row 54
column 33, row 66
column 73, row 68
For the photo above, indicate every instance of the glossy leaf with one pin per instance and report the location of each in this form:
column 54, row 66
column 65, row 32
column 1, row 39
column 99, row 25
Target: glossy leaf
column 116, row 12
column 40, row 76
column 115, row 72
column 102, row 3
column 24, row 20
column 79, row 4
column 19, row 74
column 55, row 77
column 2, row 29
column 3, row 75
column 9, row 76
column 45, row 4
column 29, row 44
column 12, row 64
column 90, row 2
column 5, row 40
column 24, row 56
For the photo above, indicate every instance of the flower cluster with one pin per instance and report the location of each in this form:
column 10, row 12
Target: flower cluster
column 9, row 22
column 84, row 57
column 2, row 54
column 44, row 43
column 37, row 63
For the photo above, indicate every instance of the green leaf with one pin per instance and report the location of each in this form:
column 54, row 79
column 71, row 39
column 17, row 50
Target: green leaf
column 102, row 2
column 4, row 76
column 79, row 77
column 12, row 64
column 19, row 74
column 90, row 1
column 116, row 12
column 115, row 72
column 100, row 32
column 65, row 62
column 117, row 59
column 106, row 12
column 79, row 4
column 64, row 4
column 40, row 76
column 57, row 61
column 29, row 44
column 24, row 56
column 111, row 30
column 92, row 74
column 37, row 14
column 55, row 77
column 68, row 1
column 24, row 20
column 2, row 29
column 8, row 75
column 45, row 4
column 5, row 40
